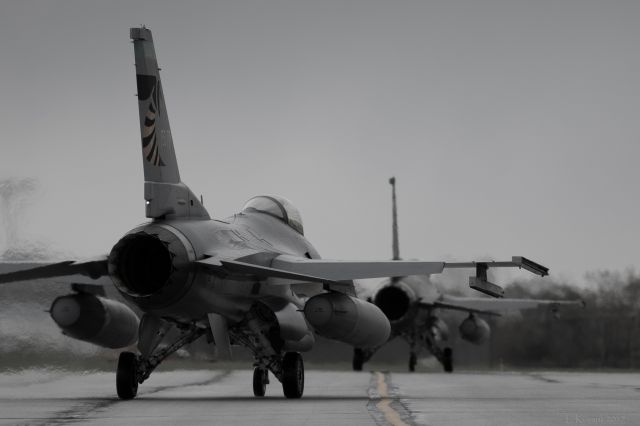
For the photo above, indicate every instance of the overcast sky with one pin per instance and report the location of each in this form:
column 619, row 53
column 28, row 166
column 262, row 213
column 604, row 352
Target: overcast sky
column 513, row 127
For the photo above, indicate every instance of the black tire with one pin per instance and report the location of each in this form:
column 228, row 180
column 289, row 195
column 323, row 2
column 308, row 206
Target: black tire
column 412, row 361
column 292, row 375
column 447, row 360
column 260, row 380
column 358, row 359
column 126, row 376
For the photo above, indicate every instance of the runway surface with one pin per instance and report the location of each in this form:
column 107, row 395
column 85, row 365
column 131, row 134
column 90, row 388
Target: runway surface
column 218, row 397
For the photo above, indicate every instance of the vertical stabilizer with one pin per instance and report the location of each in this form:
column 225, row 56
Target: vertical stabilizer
column 159, row 158
column 166, row 196
column 394, row 229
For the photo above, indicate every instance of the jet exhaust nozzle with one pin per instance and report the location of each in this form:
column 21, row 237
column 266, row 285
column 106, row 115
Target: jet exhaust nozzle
column 347, row 319
column 394, row 301
column 151, row 263
column 103, row 322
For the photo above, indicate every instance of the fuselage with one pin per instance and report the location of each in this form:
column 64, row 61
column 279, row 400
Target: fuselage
column 189, row 294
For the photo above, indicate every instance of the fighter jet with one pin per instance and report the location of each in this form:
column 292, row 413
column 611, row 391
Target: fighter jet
column 252, row 279
column 413, row 305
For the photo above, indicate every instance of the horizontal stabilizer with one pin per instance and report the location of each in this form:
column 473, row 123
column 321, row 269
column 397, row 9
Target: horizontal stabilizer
column 453, row 307
column 93, row 269
column 97, row 290
column 502, row 305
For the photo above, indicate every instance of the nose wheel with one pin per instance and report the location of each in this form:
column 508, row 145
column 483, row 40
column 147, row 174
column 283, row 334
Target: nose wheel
column 292, row 375
column 260, row 381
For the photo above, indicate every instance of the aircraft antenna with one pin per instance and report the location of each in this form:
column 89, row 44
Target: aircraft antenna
column 394, row 229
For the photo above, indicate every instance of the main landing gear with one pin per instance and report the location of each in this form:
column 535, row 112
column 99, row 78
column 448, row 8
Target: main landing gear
column 292, row 375
column 259, row 332
column 362, row 355
column 256, row 333
column 413, row 359
column 260, row 381
column 447, row 360
column 358, row 359
column 134, row 369
column 289, row 370
column 445, row 356
column 126, row 376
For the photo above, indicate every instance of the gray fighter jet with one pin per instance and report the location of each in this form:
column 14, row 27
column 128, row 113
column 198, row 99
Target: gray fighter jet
column 413, row 303
column 252, row 279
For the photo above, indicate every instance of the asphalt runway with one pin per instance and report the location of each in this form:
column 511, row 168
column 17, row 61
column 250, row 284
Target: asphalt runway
column 217, row 397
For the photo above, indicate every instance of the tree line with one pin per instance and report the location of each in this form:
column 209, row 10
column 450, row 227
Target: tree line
column 603, row 334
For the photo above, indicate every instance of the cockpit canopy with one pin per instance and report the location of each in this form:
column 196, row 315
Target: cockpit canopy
column 278, row 207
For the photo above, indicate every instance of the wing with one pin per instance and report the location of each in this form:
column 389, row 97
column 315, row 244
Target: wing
column 332, row 272
column 515, row 262
column 487, row 305
column 254, row 270
column 283, row 266
column 340, row 270
column 335, row 275
column 321, row 270
column 89, row 271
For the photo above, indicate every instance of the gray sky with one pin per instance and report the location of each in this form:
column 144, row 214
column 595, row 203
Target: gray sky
column 512, row 126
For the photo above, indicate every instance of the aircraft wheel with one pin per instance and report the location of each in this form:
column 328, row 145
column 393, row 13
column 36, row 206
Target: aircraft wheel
column 292, row 375
column 260, row 381
column 126, row 376
column 447, row 360
column 358, row 359
column 412, row 361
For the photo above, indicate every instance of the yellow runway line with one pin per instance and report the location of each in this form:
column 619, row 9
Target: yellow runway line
column 384, row 405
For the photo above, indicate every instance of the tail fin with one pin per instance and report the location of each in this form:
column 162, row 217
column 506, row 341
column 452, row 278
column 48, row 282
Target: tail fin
column 165, row 195
column 396, row 245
